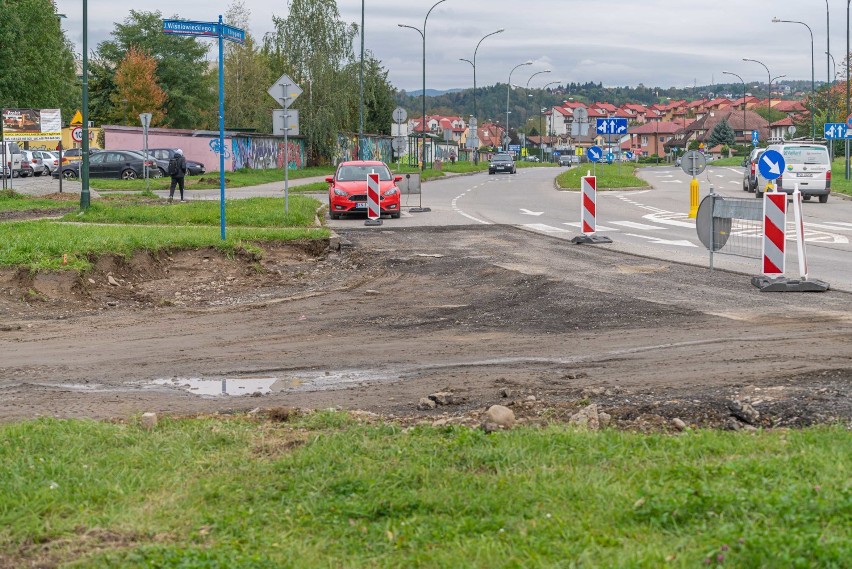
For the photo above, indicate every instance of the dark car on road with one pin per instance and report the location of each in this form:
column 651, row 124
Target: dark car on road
column 502, row 163
column 163, row 155
column 566, row 160
column 116, row 164
column 750, row 172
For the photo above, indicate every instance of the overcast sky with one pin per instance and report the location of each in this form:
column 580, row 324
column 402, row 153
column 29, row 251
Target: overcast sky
column 617, row 42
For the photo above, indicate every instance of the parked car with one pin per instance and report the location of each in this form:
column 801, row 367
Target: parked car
column 750, row 172
column 116, row 164
column 10, row 159
column 807, row 166
column 347, row 189
column 532, row 159
column 73, row 154
column 565, row 160
column 193, row 168
column 27, row 170
column 35, row 162
column 50, row 159
column 502, row 163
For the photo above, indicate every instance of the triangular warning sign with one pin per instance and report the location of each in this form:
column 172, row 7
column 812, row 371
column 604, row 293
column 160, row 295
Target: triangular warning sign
column 78, row 118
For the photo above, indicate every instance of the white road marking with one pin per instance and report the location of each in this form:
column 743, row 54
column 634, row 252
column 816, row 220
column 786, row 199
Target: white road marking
column 658, row 241
column 634, row 225
column 460, row 212
column 598, row 227
column 735, row 182
column 670, row 218
column 671, row 182
column 528, row 212
column 544, row 228
column 840, row 223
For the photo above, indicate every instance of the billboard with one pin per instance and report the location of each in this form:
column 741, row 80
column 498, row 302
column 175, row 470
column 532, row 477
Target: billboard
column 24, row 125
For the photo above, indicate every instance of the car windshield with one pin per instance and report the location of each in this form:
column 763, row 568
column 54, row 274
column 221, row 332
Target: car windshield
column 806, row 155
column 352, row 173
column 502, row 157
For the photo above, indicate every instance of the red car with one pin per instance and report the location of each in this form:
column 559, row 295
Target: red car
column 347, row 189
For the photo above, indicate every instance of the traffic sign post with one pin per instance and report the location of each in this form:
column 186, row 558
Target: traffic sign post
column 145, row 119
column 222, row 32
column 755, row 138
column 285, row 91
column 374, row 211
column 771, row 166
column 594, row 154
column 693, row 163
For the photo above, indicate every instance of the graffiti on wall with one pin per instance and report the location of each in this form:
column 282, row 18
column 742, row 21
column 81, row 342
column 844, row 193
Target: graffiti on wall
column 263, row 153
column 371, row 148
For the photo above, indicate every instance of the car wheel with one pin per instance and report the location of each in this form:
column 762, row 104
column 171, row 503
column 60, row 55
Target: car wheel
column 514, row 171
column 757, row 193
column 38, row 174
column 15, row 174
column 806, row 198
column 823, row 199
column 69, row 174
column 128, row 174
column 396, row 215
column 159, row 173
column 746, row 185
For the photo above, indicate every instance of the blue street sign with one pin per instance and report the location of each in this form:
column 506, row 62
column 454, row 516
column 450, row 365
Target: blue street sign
column 849, row 121
column 755, row 137
column 190, row 28
column 594, row 153
column 610, row 157
column 771, row 164
column 515, row 147
column 835, row 130
column 612, row 126
column 235, row 35
column 556, row 154
column 628, row 155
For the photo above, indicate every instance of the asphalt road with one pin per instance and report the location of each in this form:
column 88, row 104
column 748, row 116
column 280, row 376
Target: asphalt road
column 652, row 222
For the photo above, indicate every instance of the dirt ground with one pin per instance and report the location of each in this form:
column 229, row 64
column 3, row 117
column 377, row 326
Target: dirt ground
column 492, row 315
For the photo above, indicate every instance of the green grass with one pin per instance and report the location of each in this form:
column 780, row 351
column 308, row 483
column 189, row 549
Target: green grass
column 251, row 212
column 732, row 161
column 13, row 201
column 609, row 176
column 325, row 491
column 210, row 180
column 839, row 183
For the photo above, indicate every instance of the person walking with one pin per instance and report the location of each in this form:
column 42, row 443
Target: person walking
column 177, row 170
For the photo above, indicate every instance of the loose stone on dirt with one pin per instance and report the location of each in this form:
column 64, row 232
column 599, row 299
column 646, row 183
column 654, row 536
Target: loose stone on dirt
column 148, row 421
column 744, row 412
column 498, row 417
column 426, row 404
column 587, row 418
column 442, row 398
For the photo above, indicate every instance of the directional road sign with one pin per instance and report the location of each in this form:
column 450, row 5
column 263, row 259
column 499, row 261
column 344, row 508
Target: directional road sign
column 235, row 35
column 612, row 126
column 755, row 137
column 628, row 155
column 771, row 164
column 594, row 153
column 848, row 121
column 610, row 157
column 835, row 130
column 399, row 114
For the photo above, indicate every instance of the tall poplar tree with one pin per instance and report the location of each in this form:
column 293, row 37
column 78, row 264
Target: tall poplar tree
column 137, row 90
column 247, row 77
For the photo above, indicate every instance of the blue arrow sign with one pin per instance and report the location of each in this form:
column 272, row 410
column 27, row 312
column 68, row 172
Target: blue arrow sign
column 610, row 156
column 755, row 137
column 611, row 126
column 629, row 155
column 835, row 130
column 595, row 153
column 771, row 164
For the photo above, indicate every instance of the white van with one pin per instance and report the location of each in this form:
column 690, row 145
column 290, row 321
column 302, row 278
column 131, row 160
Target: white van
column 10, row 158
column 808, row 165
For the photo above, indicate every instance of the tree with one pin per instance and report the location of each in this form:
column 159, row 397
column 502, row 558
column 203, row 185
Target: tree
column 137, row 90
column 182, row 71
column 722, row 134
column 247, row 77
column 378, row 97
column 36, row 59
column 314, row 46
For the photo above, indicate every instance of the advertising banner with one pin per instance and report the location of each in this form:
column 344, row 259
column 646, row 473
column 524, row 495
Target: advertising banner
column 23, row 125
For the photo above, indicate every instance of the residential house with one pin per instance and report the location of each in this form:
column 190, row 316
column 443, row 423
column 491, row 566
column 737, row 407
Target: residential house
column 650, row 138
column 742, row 123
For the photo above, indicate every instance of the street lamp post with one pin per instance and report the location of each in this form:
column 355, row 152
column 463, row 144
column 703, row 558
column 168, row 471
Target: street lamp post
column 813, row 78
column 530, row 95
column 85, row 196
column 473, row 64
column 508, row 90
column 361, row 86
column 847, row 83
column 423, row 94
column 744, row 96
column 768, row 76
column 540, row 129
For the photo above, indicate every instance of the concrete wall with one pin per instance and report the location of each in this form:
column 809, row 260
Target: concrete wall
column 199, row 148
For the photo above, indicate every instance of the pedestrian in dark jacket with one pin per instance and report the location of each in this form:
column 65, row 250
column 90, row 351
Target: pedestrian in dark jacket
column 177, row 170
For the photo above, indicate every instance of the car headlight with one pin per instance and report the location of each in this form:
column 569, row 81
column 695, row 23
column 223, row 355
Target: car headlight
column 339, row 192
column 391, row 192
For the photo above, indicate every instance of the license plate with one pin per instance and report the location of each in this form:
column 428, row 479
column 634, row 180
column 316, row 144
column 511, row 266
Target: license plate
column 804, row 175
column 361, row 205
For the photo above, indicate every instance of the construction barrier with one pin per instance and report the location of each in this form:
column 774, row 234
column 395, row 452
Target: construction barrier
column 588, row 214
column 774, row 233
column 374, row 212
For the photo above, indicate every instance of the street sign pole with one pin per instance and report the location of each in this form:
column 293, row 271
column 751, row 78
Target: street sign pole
column 145, row 119
column 221, row 130
column 287, row 153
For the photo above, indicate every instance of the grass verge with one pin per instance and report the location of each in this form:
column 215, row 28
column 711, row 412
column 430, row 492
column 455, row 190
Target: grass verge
column 210, row 180
column 839, row 183
column 251, row 212
column 13, row 201
column 327, row 491
column 609, row 176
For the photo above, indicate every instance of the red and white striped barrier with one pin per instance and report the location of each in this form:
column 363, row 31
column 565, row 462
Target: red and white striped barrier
column 588, row 211
column 374, row 211
column 774, row 233
column 800, row 232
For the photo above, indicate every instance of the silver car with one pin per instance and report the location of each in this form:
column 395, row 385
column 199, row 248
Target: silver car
column 35, row 162
column 50, row 159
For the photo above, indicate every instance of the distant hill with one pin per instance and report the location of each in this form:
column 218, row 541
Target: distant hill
column 431, row 92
